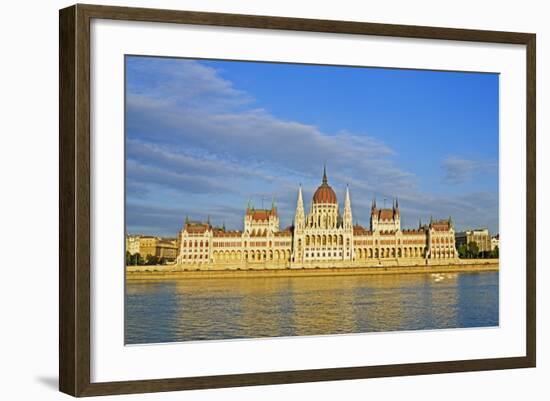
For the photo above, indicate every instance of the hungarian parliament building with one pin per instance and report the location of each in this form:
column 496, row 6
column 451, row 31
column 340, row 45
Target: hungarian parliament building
column 321, row 238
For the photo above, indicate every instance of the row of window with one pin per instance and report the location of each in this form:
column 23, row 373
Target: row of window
column 324, row 240
column 195, row 243
column 200, row 256
column 445, row 240
column 225, row 244
column 216, row 244
column 414, row 242
column 310, row 248
column 362, row 242
column 324, row 254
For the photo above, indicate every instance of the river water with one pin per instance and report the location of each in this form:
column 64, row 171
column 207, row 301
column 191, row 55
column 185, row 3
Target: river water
column 216, row 309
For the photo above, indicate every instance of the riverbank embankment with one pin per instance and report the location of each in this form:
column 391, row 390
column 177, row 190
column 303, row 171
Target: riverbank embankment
column 163, row 272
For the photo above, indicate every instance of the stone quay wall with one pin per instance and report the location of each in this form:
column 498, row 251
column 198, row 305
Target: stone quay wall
column 312, row 269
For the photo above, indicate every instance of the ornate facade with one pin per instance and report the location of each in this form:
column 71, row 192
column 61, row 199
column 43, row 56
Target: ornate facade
column 322, row 237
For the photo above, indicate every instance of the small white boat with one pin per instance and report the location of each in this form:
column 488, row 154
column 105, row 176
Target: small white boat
column 437, row 277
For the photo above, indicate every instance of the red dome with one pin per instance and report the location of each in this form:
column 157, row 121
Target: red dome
column 324, row 194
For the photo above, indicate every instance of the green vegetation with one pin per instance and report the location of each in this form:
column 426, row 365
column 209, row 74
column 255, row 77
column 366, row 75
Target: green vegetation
column 154, row 260
column 471, row 251
column 137, row 260
column 133, row 260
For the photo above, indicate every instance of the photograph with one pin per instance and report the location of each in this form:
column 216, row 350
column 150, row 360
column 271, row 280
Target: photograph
column 270, row 199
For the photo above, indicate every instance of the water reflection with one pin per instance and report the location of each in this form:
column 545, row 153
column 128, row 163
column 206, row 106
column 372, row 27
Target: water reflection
column 184, row 310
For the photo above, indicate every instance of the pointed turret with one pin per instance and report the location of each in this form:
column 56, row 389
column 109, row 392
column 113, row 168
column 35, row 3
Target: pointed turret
column 348, row 221
column 300, row 202
column 347, row 202
column 299, row 216
column 396, row 207
column 325, row 181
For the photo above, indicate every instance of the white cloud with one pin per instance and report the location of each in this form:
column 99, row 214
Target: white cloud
column 459, row 170
column 190, row 130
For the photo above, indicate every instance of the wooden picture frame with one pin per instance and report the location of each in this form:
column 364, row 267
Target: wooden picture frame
column 74, row 200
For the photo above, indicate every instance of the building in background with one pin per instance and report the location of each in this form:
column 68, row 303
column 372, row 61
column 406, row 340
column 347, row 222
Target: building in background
column 495, row 242
column 323, row 236
column 132, row 244
column 480, row 237
column 147, row 245
column 166, row 249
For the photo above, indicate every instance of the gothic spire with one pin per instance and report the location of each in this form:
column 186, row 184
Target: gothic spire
column 300, row 202
column 299, row 216
column 347, row 203
column 325, row 181
column 348, row 220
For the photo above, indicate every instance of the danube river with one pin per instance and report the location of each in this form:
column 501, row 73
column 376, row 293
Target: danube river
column 216, row 309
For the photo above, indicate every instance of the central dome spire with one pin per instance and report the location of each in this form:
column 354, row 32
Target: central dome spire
column 325, row 181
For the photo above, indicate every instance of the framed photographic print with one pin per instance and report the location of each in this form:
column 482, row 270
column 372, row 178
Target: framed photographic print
column 250, row 200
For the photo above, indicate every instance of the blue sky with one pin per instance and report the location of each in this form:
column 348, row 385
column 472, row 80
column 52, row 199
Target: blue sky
column 203, row 137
